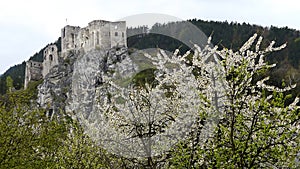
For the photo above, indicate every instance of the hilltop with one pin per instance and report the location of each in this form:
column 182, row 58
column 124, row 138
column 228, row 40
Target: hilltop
column 224, row 34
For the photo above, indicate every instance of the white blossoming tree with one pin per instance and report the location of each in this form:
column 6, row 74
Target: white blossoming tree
column 258, row 127
column 147, row 120
column 215, row 105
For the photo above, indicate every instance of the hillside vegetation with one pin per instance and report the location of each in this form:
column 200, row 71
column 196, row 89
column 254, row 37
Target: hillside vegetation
column 229, row 35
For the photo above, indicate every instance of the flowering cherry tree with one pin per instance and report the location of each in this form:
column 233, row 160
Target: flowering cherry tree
column 258, row 127
column 215, row 105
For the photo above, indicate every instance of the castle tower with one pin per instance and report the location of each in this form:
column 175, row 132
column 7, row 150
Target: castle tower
column 118, row 34
column 33, row 72
column 50, row 59
column 98, row 30
column 69, row 37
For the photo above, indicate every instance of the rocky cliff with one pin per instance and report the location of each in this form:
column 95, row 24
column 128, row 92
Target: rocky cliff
column 71, row 84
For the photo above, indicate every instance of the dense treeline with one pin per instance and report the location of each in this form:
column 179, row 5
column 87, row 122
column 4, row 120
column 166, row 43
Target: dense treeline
column 233, row 35
column 17, row 72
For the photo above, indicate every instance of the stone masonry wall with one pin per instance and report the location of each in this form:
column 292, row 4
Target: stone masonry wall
column 32, row 72
column 118, row 34
column 50, row 59
column 98, row 34
column 69, row 37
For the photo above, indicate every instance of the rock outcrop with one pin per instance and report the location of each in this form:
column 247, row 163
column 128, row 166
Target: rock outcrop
column 70, row 86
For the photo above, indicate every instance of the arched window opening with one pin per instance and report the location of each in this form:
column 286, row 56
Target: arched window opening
column 116, row 33
column 73, row 38
column 97, row 41
column 50, row 57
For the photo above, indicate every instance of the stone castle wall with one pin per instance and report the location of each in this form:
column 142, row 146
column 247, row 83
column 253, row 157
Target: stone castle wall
column 33, row 72
column 118, row 34
column 69, row 37
column 50, row 59
column 99, row 34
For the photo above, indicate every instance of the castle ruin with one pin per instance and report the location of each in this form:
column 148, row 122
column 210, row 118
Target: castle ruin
column 99, row 34
column 32, row 72
column 50, row 59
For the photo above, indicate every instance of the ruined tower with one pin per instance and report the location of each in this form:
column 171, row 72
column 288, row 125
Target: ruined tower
column 69, row 37
column 50, row 59
column 33, row 72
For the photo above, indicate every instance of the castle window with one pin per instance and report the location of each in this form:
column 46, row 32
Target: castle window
column 64, row 32
column 116, row 33
column 97, row 36
column 93, row 38
column 122, row 34
column 52, row 49
column 50, row 57
column 73, row 38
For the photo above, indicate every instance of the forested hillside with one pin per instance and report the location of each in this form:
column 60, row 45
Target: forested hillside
column 224, row 34
column 233, row 36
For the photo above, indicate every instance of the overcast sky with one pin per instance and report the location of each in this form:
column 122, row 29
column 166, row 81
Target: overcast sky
column 26, row 26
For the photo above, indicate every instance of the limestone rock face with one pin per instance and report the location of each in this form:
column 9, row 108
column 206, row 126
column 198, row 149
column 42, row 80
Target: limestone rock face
column 53, row 92
column 84, row 80
column 71, row 85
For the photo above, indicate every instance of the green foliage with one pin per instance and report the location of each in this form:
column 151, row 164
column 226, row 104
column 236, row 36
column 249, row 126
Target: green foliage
column 29, row 138
column 17, row 73
column 258, row 126
column 20, row 97
column 155, row 41
column 9, row 83
column 250, row 134
column 143, row 77
column 232, row 35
